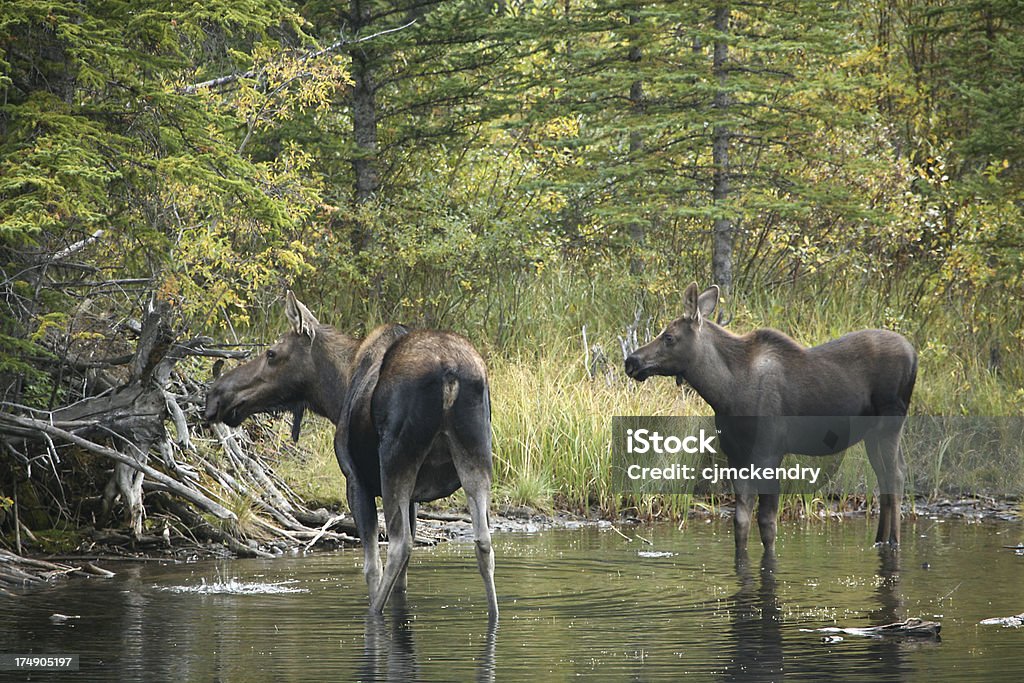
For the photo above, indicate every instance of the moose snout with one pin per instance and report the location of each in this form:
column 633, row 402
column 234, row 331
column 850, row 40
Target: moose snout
column 217, row 406
column 635, row 368
column 212, row 407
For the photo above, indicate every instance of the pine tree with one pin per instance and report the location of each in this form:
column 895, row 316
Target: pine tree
column 735, row 99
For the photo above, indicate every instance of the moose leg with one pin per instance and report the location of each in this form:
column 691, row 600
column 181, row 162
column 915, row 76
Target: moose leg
column 886, row 459
column 479, row 502
column 402, row 584
column 741, row 518
column 767, row 516
column 364, row 511
column 474, row 467
column 397, row 493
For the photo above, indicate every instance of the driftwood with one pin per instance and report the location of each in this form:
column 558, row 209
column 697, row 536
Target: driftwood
column 16, row 570
column 1016, row 621
column 917, row 628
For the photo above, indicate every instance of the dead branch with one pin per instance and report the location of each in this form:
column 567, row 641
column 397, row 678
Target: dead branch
column 29, row 425
column 333, row 47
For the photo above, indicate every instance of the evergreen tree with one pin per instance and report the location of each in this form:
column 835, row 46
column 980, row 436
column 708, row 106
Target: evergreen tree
column 735, row 100
column 115, row 168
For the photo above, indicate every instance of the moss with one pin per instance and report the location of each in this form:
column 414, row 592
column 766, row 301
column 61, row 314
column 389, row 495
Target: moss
column 58, row 541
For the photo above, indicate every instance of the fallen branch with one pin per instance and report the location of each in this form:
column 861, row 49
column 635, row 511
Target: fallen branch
column 917, row 628
column 322, row 531
column 1016, row 621
column 30, row 424
column 444, row 516
column 22, row 571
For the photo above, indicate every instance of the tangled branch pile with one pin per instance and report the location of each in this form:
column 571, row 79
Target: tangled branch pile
column 106, row 461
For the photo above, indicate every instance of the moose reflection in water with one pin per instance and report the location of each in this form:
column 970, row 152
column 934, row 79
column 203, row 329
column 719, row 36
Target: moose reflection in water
column 413, row 417
column 389, row 650
column 861, row 382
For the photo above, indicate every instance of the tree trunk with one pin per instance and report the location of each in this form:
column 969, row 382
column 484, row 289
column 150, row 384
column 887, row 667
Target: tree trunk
column 637, row 232
column 364, row 109
column 724, row 227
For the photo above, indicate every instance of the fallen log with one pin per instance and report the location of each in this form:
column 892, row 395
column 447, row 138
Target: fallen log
column 1016, row 621
column 22, row 571
column 188, row 493
column 917, row 628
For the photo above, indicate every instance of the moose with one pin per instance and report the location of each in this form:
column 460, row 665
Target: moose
column 413, row 424
column 858, row 385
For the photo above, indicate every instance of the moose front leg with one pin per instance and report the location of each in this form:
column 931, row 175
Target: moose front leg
column 364, row 511
column 741, row 519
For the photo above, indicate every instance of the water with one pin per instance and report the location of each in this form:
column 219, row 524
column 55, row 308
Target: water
column 575, row 604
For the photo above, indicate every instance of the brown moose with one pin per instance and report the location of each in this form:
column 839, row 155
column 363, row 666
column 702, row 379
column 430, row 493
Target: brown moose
column 413, row 417
column 858, row 385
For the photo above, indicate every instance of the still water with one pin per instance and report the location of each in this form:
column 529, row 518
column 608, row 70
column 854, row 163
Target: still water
column 581, row 603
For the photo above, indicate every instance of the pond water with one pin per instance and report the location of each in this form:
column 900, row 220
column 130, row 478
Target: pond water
column 581, row 603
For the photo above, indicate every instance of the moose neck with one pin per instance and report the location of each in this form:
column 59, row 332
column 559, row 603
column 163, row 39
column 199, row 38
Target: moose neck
column 718, row 362
column 332, row 359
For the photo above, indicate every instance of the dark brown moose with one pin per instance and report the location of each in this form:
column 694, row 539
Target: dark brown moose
column 857, row 386
column 413, row 417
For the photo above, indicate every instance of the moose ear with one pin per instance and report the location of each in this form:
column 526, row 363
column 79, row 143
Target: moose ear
column 707, row 301
column 690, row 311
column 303, row 322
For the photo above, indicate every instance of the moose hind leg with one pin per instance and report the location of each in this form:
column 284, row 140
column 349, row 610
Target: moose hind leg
column 397, row 493
column 402, row 584
column 767, row 520
column 479, row 502
column 886, row 459
column 474, row 468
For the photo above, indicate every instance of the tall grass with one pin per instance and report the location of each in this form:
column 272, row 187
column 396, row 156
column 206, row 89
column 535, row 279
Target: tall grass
column 554, row 396
column 553, row 421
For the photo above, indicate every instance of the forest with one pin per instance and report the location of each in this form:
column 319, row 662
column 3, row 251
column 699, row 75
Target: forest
column 545, row 177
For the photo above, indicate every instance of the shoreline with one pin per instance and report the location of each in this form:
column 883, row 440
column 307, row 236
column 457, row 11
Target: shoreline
column 35, row 569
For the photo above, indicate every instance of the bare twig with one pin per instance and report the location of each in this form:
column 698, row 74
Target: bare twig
column 333, row 47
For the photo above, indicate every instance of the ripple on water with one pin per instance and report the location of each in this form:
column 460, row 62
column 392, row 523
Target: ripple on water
column 236, row 587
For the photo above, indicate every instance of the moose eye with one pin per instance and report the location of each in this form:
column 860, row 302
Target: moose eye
column 271, row 354
column 668, row 339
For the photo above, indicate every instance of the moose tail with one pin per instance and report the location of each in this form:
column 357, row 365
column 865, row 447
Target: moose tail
column 449, row 390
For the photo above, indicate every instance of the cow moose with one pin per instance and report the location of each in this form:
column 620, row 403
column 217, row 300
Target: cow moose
column 413, row 417
column 860, row 383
